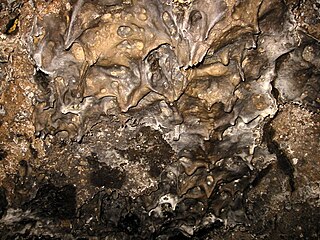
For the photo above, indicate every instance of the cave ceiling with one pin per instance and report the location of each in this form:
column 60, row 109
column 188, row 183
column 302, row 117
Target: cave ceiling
column 159, row 119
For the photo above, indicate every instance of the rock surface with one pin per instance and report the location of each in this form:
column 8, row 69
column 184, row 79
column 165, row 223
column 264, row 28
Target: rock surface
column 159, row 119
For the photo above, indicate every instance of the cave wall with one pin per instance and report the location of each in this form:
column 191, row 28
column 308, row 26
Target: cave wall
column 159, row 119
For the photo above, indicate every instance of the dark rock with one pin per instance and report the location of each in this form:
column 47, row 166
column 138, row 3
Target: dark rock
column 3, row 154
column 108, row 177
column 130, row 223
column 54, row 202
column 3, row 202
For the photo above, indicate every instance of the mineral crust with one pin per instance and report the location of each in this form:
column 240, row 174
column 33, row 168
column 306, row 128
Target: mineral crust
column 159, row 119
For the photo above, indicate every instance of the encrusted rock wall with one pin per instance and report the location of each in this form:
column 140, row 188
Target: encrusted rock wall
column 159, row 119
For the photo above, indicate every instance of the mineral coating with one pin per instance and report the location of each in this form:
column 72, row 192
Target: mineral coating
column 160, row 119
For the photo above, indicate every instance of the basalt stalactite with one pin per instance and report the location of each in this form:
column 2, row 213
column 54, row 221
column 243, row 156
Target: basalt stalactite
column 159, row 119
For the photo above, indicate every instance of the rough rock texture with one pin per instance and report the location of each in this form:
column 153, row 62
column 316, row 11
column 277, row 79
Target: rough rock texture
column 159, row 119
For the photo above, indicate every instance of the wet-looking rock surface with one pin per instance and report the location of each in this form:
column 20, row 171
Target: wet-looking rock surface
column 160, row 119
